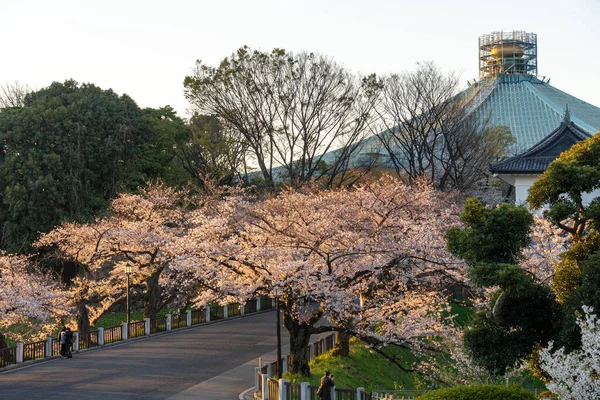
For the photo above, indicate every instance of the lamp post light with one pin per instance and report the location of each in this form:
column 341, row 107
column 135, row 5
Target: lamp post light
column 127, row 273
column 277, row 294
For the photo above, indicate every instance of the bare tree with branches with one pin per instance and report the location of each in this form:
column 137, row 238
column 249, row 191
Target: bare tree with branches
column 300, row 115
column 427, row 129
column 13, row 95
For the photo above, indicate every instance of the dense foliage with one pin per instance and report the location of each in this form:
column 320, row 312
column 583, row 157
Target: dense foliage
column 60, row 156
column 521, row 312
column 482, row 392
column 566, row 189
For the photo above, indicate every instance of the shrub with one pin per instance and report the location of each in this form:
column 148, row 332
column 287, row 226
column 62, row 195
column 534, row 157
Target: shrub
column 479, row 392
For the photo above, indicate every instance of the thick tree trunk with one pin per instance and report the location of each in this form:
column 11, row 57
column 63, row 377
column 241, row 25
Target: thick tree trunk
column 342, row 345
column 153, row 302
column 83, row 318
column 299, row 340
column 3, row 344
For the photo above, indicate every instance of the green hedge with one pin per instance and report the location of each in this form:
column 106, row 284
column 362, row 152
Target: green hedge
column 481, row 392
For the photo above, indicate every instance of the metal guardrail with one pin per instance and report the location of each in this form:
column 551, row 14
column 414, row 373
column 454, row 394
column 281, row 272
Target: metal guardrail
column 86, row 340
column 178, row 321
column 34, row 350
column 266, row 303
column 198, row 316
column 8, row 356
column 216, row 312
column 292, row 390
column 158, row 325
column 136, row 329
column 113, row 334
column 234, row 310
column 55, row 346
column 251, row 306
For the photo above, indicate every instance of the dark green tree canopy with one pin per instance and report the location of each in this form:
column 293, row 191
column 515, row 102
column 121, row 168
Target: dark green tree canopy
column 60, row 156
column 491, row 235
column 521, row 313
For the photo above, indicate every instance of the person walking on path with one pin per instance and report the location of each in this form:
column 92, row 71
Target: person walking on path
column 62, row 337
column 69, row 342
column 324, row 391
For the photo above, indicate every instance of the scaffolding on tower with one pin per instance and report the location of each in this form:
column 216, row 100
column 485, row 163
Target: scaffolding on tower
column 512, row 52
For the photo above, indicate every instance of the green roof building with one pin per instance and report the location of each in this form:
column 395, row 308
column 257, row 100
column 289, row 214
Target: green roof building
column 543, row 120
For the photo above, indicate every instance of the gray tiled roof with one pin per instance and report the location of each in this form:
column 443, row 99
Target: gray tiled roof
column 538, row 157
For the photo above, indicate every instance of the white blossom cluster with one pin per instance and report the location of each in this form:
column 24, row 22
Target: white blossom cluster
column 576, row 375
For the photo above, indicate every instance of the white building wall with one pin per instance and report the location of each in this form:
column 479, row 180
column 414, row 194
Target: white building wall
column 524, row 182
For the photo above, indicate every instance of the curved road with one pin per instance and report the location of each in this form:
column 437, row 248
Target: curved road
column 210, row 362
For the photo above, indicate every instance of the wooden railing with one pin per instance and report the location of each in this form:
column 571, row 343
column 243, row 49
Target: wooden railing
column 273, row 388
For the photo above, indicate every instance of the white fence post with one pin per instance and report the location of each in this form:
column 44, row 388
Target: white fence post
column 147, row 326
column 242, row 309
column 124, row 331
column 101, row 336
column 20, row 351
column 333, row 396
column 282, row 391
column 258, row 304
column 256, row 378
column 168, row 322
column 207, row 313
column 188, row 317
column 359, row 392
column 225, row 311
column 48, row 349
column 304, row 390
column 265, row 388
column 76, row 344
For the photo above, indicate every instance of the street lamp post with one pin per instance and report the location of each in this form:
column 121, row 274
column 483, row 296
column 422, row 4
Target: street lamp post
column 278, row 333
column 127, row 273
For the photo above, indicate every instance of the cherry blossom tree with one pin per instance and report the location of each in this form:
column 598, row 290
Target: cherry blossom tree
column 372, row 259
column 547, row 243
column 136, row 232
column 576, row 375
column 27, row 295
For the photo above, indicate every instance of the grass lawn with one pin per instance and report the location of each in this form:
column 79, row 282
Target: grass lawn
column 361, row 369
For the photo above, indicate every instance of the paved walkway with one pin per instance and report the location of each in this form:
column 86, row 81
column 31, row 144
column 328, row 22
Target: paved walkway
column 208, row 362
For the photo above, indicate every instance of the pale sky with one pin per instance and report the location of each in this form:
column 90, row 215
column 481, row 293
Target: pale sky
column 145, row 48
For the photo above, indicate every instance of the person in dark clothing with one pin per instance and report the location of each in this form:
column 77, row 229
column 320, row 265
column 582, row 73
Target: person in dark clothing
column 69, row 342
column 324, row 391
column 62, row 338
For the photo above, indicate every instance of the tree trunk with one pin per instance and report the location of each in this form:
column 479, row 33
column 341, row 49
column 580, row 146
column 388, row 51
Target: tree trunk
column 83, row 318
column 3, row 344
column 153, row 302
column 299, row 340
column 342, row 345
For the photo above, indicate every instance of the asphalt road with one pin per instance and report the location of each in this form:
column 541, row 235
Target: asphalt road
column 208, row 362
